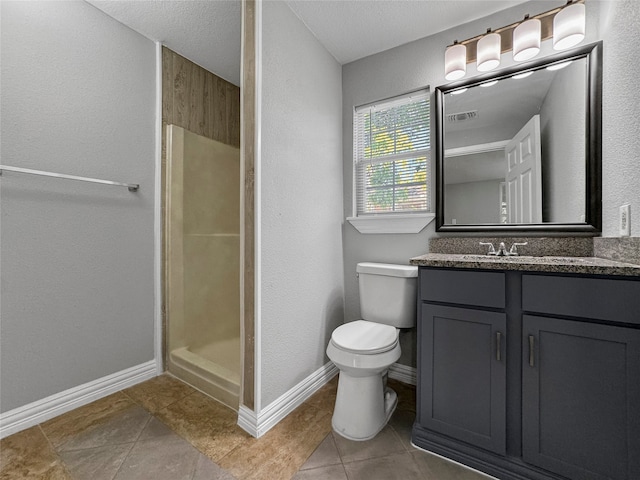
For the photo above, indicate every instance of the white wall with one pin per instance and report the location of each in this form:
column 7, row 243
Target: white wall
column 300, row 202
column 620, row 120
column 393, row 72
column 78, row 93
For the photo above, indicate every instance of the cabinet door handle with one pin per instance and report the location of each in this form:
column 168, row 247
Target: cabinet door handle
column 531, row 350
column 498, row 346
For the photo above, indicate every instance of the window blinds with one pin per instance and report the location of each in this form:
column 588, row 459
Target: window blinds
column 391, row 155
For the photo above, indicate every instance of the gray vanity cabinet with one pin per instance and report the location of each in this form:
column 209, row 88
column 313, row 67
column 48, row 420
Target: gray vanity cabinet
column 530, row 376
column 464, row 375
column 581, row 398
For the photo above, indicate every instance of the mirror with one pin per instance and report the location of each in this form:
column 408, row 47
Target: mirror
column 519, row 149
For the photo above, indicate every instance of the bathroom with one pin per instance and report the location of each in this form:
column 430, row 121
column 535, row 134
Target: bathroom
column 82, row 265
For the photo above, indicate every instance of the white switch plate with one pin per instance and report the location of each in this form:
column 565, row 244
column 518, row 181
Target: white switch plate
column 625, row 221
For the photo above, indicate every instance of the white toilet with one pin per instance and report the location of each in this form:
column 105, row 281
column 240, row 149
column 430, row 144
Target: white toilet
column 364, row 350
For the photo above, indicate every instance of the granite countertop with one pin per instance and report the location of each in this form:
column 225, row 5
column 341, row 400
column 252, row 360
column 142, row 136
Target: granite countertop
column 580, row 265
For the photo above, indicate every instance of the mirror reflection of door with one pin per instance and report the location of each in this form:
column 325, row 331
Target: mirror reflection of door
column 523, row 176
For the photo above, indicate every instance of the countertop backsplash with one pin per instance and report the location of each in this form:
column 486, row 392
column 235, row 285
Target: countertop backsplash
column 536, row 246
column 621, row 249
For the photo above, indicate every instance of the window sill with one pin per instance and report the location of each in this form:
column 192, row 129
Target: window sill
column 411, row 223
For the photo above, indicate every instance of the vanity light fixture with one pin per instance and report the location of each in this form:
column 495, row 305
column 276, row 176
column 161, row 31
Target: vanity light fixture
column 489, row 51
column 569, row 26
column 565, row 25
column 526, row 39
column 455, row 61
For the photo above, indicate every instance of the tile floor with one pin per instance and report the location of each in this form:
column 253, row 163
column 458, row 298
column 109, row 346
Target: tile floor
column 164, row 429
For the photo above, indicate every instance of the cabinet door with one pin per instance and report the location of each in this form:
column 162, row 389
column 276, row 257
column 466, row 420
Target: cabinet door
column 581, row 398
column 463, row 375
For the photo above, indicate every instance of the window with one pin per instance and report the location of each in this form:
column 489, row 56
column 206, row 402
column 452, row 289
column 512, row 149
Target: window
column 392, row 156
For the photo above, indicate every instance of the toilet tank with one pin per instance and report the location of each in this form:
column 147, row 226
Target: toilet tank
column 388, row 293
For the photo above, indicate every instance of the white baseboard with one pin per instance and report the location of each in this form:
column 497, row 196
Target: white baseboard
column 403, row 373
column 37, row 412
column 259, row 424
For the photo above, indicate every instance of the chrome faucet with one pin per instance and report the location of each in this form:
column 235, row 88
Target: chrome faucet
column 502, row 249
column 492, row 250
column 514, row 249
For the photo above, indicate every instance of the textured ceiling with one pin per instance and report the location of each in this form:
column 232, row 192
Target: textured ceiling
column 208, row 31
column 353, row 29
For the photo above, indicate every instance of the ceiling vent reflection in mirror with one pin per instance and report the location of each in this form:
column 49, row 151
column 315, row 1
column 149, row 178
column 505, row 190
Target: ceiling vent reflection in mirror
column 462, row 116
column 565, row 25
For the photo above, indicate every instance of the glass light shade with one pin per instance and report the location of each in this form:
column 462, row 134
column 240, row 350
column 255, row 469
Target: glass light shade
column 455, row 62
column 488, row 52
column 569, row 26
column 526, row 40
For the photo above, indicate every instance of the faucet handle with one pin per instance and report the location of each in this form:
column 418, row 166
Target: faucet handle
column 492, row 250
column 514, row 247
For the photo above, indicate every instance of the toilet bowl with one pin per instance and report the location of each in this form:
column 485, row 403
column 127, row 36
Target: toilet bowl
column 364, row 403
column 363, row 350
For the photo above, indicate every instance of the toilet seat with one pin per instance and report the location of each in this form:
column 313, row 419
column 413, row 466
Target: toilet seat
column 365, row 338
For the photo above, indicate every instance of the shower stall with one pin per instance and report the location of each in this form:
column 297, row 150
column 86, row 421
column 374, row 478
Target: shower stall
column 203, row 263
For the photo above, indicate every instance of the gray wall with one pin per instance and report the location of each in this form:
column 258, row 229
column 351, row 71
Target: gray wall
column 562, row 121
column 620, row 124
column 78, row 97
column 396, row 71
column 300, row 202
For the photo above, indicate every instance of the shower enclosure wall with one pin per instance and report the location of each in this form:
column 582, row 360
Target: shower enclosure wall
column 203, row 263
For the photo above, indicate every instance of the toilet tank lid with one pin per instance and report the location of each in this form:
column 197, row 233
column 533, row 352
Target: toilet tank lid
column 387, row 269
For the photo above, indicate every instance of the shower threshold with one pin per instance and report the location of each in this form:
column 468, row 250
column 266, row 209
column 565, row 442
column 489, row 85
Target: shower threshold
column 209, row 377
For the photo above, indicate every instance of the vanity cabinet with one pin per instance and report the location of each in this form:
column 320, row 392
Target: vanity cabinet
column 462, row 357
column 530, row 376
column 581, row 398
column 462, row 361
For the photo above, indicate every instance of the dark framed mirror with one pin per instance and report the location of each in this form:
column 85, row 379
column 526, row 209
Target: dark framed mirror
column 519, row 149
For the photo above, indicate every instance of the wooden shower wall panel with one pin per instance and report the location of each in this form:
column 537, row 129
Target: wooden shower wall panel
column 199, row 101
column 203, row 103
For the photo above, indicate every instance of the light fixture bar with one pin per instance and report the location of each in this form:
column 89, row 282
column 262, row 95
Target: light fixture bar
column 506, row 33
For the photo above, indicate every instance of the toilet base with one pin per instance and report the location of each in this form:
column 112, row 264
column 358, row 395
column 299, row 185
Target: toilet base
column 363, row 407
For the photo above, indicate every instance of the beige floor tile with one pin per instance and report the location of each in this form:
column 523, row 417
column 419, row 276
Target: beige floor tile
column 385, row 443
column 325, row 455
column 325, row 397
column 159, row 392
column 333, row 472
column 100, row 463
column 437, row 468
column 406, row 395
column 81, row 420
column 392, row 467
column 208, row 425
column 28, row 455
column 283, row 449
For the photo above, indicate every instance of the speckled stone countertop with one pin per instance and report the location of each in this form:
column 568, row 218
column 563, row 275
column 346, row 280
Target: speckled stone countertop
column 579, row 265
